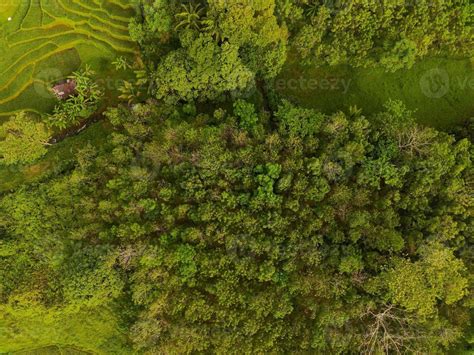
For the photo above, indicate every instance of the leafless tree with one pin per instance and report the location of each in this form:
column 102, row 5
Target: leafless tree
column 389, row 330
column 414, row 139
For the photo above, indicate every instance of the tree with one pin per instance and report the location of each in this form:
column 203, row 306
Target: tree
column 201, row 70
column 246, row 113
column 437, row 277
column 24, row 139
column 190, row 17
column 220, row 48
column 82, row 104
column 153, row 23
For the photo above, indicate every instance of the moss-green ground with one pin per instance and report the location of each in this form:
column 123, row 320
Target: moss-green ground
column 441, row 90
column 40, row 331
column 46, row 40
column 52, row 350
column 7, row 9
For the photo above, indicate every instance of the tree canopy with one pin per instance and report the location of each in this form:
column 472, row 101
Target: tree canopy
column 296, row 232
column 391, row 34
column 210, row 213
column 22, row 140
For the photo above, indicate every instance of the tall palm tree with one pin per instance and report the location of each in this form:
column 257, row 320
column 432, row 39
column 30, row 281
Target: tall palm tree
column 190, row 17
column 312, row 8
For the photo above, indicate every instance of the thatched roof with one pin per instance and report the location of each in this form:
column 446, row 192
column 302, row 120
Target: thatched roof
column 65, row 89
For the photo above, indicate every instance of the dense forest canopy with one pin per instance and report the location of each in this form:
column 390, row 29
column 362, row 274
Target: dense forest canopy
column 214, row 215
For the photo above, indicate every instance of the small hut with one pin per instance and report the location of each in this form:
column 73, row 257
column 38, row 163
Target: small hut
column 65, row 89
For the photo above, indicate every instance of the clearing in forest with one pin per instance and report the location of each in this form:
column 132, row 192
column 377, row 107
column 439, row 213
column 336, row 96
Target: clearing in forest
column 439, row 90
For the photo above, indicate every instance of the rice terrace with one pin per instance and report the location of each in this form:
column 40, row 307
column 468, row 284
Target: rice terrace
column 43, row 41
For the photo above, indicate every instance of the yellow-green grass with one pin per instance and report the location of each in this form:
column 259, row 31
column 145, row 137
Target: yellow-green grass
column 440, row 90
column 40, row 330
column 46, row 40
column 52, row 350
column 7, row 9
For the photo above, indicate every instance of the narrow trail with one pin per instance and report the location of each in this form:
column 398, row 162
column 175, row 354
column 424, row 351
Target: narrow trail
column 77, row 128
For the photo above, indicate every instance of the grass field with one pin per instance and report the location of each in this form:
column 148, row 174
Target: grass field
column 46, row 40
column 441, row 90
column 37, row 331
column 52, row 350
column 7, row 9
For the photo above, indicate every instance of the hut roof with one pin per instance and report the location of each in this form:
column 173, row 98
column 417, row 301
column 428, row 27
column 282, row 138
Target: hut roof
column 65, row 89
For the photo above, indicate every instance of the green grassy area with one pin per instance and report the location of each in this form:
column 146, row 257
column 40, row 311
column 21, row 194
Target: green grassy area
column 46, row 40
column 7, row 9
column 39, row 331
column 440, row 90
column 52, row 350
column 11, row 177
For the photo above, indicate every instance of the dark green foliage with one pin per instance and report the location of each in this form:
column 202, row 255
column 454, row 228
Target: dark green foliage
column 324, row 234
column 81, row 104
column 246, row 114
column 153, row 23
column 391, row 34
column 213, row 50
column 200, row 70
